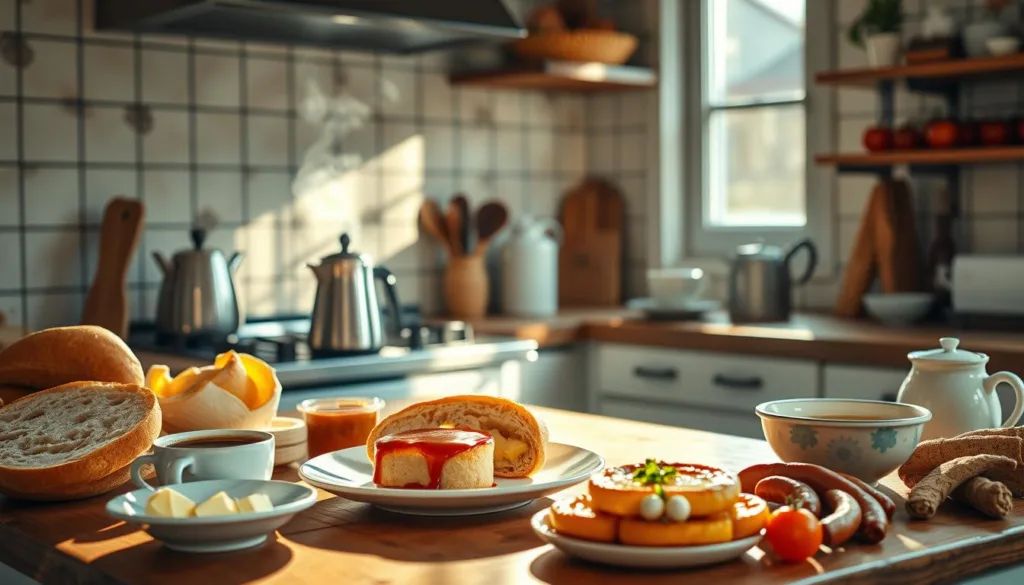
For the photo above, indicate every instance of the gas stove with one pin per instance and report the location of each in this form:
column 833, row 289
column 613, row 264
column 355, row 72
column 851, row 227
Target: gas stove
column 419, row 348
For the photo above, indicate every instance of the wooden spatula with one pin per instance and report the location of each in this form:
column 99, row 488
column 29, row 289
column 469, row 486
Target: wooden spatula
column 433, row 222
column 107, row 302
column 490, row 218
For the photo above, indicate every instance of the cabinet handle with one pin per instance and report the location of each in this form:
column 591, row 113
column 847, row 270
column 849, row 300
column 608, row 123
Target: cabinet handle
column 740, row 383
column 889, row 397
column 655, row 373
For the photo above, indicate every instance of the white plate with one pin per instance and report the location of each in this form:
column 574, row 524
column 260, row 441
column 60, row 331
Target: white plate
column 643, row 557
column 216, row 533
column 348, row 473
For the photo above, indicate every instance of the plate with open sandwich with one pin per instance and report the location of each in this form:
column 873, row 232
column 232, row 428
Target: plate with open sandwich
column 656, row 515
column 456, row 456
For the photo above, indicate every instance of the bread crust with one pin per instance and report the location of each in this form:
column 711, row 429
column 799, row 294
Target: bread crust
column 501, row 408
column 52, row 357
column 80, row 477
column 80, row 491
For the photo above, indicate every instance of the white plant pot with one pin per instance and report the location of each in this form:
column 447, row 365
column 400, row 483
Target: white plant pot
column 883, row 49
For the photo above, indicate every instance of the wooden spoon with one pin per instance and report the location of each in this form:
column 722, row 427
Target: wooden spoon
column 433, row 223
column 466, row 220
column 453, row 219
column 490, row 218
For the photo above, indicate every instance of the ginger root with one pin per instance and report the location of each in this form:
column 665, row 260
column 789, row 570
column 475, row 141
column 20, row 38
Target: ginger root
column 991, row 498
column 930, row 454
column 939, row 483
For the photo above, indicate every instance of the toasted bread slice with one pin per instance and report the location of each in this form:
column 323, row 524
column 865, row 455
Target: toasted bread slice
column 76, row 440
column 520, row 439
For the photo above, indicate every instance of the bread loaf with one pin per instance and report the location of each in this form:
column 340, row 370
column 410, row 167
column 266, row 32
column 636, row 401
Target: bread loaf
column 76, row 440
column 52, row 357
column 520, row 439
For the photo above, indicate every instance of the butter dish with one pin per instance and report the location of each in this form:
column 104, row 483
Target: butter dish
column 222, row 532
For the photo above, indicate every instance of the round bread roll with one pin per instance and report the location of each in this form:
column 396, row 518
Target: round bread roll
column 52, row 357
column 76, row 440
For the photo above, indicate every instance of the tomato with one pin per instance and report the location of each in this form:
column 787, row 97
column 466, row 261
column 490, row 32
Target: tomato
column 994, row 133
column 941, row 134
column 795, row 534
column 906, row 138
column 876, row 138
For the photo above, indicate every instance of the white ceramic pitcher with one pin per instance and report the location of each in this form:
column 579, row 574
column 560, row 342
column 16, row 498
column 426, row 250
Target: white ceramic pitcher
column 953, row 384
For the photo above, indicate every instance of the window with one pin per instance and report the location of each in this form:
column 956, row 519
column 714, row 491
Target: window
column 754, row 113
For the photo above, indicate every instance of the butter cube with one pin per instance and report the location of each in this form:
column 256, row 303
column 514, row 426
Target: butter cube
column 168, row 503
column 254, row 503
column 219, row 504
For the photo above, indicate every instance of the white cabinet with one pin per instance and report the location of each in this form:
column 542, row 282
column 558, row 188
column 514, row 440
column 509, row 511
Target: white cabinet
column 699, row 390
column 556, row 379
column 863, row 383
column 729, row 423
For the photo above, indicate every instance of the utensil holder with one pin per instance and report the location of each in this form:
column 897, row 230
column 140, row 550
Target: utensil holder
column 466, row 287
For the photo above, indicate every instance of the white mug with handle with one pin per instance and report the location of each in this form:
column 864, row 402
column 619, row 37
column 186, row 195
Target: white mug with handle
column 202, row 455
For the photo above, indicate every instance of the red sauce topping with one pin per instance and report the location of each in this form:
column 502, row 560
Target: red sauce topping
column 436, row 445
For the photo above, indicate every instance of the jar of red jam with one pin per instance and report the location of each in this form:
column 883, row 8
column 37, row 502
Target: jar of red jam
column 339, row 423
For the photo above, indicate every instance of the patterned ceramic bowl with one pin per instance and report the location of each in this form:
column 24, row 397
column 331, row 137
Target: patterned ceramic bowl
column 868, row 439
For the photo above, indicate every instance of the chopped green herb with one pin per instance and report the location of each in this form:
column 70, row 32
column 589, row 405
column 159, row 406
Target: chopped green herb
column 654, row 474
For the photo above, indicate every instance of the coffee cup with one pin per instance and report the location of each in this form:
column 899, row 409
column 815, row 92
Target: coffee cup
column 213, row 454
column 676, row 285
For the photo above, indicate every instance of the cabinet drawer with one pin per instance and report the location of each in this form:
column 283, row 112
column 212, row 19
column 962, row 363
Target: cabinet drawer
column 863, row 383
column 727, row 423
column 728, row 381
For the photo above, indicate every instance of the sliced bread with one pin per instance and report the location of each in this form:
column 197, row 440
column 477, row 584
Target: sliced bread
column 75, row 440
column 520, row 439
column 52, row 357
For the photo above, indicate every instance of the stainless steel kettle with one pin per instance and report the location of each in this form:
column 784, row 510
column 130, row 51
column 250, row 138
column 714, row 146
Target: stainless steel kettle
column 198, row 294
column 346, row 314
column 760, row 281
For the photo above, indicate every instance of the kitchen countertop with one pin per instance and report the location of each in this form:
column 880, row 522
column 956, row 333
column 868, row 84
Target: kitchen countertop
column 818, row 337
column 339, row 541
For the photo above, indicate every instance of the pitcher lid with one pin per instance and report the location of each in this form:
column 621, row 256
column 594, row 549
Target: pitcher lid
column 344, row 254
column 948, row 354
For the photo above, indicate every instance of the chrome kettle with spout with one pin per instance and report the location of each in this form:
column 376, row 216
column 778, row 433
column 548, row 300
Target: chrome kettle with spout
column 346, row 313
column 198, row 295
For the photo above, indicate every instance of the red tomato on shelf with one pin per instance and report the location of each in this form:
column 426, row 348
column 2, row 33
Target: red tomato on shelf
column 876, row 139
column 994, row 133
column 906, row 138
column 942, row 134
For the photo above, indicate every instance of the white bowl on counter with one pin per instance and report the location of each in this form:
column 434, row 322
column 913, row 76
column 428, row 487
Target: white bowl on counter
column 999, row 46
column 868, row 439
column 898, row 308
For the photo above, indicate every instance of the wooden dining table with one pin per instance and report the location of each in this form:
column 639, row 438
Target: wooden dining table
column 341, row 542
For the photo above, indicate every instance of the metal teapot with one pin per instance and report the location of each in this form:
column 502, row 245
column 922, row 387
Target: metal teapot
column 346, row 314
column 760, row 282
column 198, row 295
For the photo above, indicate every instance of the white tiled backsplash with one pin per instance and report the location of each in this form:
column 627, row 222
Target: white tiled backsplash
column 221, row 134
column 991, row 196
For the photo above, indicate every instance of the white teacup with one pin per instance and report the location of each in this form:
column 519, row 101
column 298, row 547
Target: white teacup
column 676, row 285
column 202, row 455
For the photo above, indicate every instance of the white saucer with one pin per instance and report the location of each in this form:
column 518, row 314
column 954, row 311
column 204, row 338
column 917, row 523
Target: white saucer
column 642, row 557
column 348, row 473
column 673, row 310
column 216, row 533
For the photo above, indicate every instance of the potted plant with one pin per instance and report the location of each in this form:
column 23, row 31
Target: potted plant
column 877, row 29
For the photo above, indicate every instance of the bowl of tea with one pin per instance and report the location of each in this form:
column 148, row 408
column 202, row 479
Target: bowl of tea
column 868, row 439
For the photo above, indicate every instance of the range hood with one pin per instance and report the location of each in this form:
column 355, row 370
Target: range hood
column 396, row 26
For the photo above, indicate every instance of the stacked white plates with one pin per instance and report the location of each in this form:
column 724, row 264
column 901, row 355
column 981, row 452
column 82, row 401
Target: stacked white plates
column 289, row 439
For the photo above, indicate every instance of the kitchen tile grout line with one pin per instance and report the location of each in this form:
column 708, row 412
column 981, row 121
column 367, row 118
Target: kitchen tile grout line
column 83, row 236
column 141, row 114
column 22, row 203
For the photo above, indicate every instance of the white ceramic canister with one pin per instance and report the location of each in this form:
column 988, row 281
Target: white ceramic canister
column 529, row 268
column 953, row 384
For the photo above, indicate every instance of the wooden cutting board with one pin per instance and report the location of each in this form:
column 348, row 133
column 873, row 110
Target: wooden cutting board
column 107, row 302
column 590, row 259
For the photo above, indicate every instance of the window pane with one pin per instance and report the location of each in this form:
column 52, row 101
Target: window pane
column 756, row 167
column 755, row 50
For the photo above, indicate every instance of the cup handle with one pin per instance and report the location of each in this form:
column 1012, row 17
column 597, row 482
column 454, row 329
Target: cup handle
column 1013, row 380
column 136, row 470
column 178, row 466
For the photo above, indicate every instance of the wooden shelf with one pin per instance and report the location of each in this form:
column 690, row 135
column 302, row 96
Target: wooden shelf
column 952, row 156
column 926, row 75
column 562, row 76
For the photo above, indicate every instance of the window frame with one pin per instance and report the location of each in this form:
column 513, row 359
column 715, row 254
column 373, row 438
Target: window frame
column 682, row 118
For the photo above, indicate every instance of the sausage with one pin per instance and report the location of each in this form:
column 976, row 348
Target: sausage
column 844, row 519
column 874, row 522
column 886, row 502
column 788, row 492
